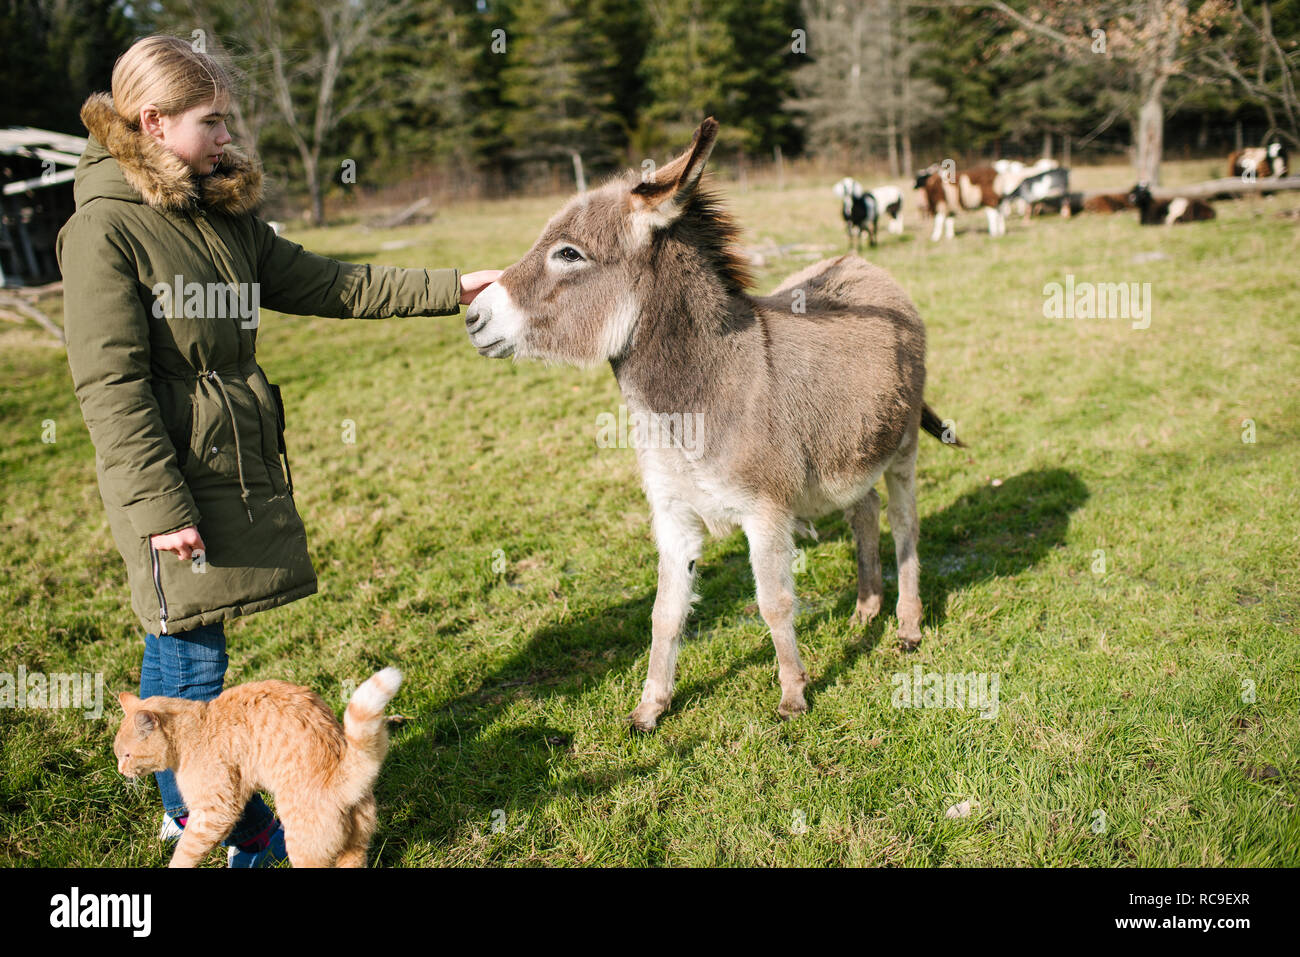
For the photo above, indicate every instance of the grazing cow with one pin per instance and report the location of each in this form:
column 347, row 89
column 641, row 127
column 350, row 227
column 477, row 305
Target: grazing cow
column 979, row 187
column 859, row 211
column 889, row 200
column 1034, row 190
column 1167, row 212
column 1107, row 203
column 1259, row 162
column 794, row 412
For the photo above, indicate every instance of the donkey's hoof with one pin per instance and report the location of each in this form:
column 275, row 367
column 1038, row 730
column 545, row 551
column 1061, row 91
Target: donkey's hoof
column 909, row 638
column 866, row 612
column 644, row 719
column 788, row 708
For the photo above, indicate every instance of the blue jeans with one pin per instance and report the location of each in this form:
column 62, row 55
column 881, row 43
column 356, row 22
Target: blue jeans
column 192, row 665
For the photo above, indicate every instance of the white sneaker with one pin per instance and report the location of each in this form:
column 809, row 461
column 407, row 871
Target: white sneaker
column 170, row 830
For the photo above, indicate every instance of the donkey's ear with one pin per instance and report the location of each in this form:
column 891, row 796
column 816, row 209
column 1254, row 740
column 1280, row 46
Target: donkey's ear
column 681, row 175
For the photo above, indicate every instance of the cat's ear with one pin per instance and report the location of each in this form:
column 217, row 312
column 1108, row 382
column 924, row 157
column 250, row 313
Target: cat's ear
column 146, row 722
column 127, row 700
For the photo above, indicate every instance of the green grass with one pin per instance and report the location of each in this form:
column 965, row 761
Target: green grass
column 1120, row 691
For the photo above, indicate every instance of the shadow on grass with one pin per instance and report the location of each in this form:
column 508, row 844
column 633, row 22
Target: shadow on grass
column 457, row 765
column 989, row 532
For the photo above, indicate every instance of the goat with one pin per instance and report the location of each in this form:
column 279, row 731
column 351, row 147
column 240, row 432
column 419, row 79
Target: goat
column 889, row 200
column 1259, row 162
column 860, row 211
column 969, row 189
column 1014, row 172
column 1107, row 203
column 1051, row 184
column 1167, row 212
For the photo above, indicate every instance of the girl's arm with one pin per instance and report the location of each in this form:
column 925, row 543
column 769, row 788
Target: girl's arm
column 107, row 330
column 295, row 281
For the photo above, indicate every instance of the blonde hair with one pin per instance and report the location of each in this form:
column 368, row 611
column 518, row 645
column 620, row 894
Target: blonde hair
column 168, row 73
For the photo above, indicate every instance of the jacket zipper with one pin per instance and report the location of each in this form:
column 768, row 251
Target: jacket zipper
column 157, row 584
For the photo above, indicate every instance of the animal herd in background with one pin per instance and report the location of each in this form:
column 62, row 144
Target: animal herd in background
column 943, row 190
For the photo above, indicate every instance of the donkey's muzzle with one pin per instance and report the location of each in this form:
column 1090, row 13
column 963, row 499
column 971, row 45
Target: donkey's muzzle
column 492, row 323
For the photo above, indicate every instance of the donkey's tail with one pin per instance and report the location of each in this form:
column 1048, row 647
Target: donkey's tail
column 366, row 734
column 931, row 422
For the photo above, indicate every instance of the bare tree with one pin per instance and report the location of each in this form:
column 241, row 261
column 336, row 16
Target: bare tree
column 1151, row 40
column 860, row 89
column 295, row 56
column 341, row 28
column 1273, row 83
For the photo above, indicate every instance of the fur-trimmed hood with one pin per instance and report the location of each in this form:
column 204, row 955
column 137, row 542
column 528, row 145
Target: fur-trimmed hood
column 122, row 162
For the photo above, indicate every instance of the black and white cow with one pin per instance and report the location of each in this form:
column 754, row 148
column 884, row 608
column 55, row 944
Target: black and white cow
column 860, row 211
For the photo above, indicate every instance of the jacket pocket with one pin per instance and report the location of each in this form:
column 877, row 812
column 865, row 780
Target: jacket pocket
column 211, row 453
column 270, row 411
column 284, row 451
column 183, row 438
column 279, row 410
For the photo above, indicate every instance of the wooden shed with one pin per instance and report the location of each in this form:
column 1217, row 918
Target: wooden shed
column 36, row 170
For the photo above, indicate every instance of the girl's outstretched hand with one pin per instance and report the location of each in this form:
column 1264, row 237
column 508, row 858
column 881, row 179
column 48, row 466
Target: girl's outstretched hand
column 473, row 283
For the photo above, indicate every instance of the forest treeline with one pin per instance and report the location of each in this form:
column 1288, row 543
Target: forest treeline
column 509, row 90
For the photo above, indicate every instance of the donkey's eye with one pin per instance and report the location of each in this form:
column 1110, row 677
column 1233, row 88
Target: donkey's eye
column 569, row 254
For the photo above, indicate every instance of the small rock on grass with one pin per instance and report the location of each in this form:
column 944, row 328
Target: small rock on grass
column 958, row 810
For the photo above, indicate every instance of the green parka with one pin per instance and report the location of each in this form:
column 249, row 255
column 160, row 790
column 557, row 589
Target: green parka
column 187, row 429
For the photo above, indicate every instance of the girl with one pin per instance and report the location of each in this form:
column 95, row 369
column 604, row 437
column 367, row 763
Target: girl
column 164, row 266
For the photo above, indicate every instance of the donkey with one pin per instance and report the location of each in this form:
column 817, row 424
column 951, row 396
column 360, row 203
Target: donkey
column 804, row 398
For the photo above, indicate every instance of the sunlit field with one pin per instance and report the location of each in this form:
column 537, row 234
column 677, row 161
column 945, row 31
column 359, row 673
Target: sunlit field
column 1118, row 545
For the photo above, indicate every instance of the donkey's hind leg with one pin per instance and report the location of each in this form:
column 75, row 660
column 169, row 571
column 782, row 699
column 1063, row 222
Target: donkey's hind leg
column 680, row 538
column 900, row 479
column 771, row 553
column 864, row 518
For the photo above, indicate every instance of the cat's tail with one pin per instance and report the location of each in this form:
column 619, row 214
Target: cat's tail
column 366, row 734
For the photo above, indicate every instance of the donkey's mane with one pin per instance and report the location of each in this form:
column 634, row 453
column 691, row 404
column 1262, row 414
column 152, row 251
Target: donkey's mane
column 706, row 225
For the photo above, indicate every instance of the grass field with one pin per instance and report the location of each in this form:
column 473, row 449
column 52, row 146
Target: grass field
column 1110, row 546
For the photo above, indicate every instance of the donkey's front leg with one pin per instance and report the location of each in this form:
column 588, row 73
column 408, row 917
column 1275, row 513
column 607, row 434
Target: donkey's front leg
column 771, row 553
column 680, row 538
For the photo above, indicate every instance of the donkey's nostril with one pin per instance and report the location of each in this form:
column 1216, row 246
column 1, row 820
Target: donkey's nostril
column 474, row 318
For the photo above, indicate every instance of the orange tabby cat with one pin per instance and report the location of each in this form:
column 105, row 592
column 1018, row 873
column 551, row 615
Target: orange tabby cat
column 268, row 736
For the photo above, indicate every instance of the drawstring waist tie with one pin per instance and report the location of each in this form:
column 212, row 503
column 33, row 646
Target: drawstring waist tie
column 212, row 376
